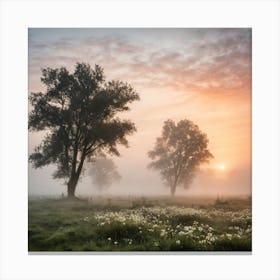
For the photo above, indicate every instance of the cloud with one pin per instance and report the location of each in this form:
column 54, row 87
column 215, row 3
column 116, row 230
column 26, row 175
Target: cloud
column 215, row 61
column 217, row 66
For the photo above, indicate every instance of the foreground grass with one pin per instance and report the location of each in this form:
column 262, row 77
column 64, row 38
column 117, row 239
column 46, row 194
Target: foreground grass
column 62, row 225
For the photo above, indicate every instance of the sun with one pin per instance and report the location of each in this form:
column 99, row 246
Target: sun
column 221, row 167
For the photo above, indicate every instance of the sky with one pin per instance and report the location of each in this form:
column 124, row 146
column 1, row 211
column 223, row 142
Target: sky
column 201, row 74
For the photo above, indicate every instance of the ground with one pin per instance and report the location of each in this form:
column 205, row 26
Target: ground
column 139, row 224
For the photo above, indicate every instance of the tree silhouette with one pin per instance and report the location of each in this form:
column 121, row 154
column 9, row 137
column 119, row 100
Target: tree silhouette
column 78, row 112
column 104, row 173
column 179, row 152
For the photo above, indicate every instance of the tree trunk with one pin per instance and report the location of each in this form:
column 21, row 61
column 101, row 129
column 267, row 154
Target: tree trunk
column 71, row 187
column 172, row 190
column 75, row 174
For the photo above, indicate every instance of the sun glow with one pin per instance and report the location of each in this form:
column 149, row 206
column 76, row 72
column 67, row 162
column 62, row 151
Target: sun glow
column 221, row 167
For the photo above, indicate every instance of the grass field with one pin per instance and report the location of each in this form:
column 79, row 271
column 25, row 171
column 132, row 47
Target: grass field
column 139, row 224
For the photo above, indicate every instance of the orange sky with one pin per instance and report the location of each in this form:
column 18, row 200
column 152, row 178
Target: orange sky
column 200, row 74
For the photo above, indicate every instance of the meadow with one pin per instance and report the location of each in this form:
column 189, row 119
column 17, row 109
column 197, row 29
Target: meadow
column 139, row 224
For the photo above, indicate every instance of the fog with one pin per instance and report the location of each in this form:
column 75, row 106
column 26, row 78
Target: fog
column 141, row 181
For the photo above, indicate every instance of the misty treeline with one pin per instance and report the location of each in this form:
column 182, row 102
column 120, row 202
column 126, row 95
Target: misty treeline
column 79, row 111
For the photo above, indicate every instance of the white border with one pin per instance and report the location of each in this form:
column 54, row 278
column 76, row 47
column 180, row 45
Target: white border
column 262, row 16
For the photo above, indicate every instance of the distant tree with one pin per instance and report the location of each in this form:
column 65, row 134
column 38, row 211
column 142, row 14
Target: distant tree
column 78, row 112
column 103, row 173
column 178, row 153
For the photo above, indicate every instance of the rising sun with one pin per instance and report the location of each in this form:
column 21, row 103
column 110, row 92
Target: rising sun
column 221, row 167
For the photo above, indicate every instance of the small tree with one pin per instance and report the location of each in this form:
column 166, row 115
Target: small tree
column 78, row 111
column 103, row 173
column 179, row 152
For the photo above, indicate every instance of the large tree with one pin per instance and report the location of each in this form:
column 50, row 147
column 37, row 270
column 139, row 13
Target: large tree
column 178, row 153
column 78, row 111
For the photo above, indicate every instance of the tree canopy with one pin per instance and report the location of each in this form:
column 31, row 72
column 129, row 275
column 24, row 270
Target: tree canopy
column 78, row 111
column 178, row 153
column 103, row 173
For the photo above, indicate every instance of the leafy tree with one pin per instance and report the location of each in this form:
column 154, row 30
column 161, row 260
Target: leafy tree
column 103, row 173
column 78, row 111
column 179, row 152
